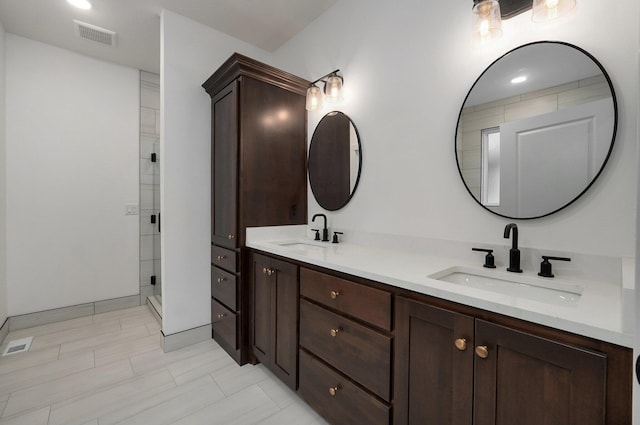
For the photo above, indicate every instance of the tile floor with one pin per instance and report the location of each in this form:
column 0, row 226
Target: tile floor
column 110, row 369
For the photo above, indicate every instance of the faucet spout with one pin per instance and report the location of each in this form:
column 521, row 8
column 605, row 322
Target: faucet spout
column 514, row 252
column 325, row 230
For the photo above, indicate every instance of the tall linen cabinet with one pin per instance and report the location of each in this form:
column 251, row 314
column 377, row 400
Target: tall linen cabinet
column 258, row 178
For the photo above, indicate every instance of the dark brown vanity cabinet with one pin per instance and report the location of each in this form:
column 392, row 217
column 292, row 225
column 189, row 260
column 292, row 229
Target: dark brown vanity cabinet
column 345, row 349
column 275, row 316
column 456, row 369
column 258, row 161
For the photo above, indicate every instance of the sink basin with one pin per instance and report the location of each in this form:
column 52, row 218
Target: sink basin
column 548, row 291
column 302, row 246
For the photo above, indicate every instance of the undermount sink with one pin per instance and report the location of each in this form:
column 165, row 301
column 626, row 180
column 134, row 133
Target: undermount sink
column 301, row 246
column 548, row 291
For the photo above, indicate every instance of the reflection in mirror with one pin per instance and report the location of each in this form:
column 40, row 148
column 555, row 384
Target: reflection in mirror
column 335, row 160
column 536, row 130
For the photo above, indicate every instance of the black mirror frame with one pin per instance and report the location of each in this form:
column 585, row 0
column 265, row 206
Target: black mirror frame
column 355, row 187
column 604, row 163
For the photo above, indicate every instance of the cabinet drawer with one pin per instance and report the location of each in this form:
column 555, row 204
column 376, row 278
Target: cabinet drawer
column 356, row 350
column 224, row 323
column 223, row 287
column 363, row 302
column 223, row 257
column 350, row 405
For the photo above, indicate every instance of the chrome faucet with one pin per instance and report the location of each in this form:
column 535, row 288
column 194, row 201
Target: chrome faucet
column 514, row 252
column 325, row 231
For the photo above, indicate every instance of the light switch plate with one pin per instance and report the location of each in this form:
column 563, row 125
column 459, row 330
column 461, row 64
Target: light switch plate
column 131, row 209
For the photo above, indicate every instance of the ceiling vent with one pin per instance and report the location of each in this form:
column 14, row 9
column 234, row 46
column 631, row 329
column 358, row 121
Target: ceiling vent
column 94, row 33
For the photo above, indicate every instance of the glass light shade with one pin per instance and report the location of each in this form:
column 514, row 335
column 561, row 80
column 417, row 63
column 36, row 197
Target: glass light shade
column 333, row 89
column 314, row 98
column 546, row 10
column 487, row 23
column 80, row 4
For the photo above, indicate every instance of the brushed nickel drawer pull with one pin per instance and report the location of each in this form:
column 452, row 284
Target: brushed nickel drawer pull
column 221, row 315
column 334, row 390
column 334, row 294
column 230, row 237
column 221, row 257
column 221, row 279
column 334, row 332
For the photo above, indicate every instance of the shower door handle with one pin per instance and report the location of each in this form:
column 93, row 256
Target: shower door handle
column 158, row 222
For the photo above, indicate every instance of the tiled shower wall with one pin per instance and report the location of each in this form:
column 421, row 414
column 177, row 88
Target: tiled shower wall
column 149, row 184
column 488, row 115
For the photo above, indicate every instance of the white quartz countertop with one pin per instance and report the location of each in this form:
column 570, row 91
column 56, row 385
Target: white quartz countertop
column 597, row 313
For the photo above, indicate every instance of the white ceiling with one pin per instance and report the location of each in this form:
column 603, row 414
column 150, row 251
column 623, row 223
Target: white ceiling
column 264, row 23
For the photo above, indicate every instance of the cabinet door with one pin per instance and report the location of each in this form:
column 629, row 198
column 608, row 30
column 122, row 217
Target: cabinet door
column 528, row 380
column 433, row 365
column 224, row 121
column 275, row 316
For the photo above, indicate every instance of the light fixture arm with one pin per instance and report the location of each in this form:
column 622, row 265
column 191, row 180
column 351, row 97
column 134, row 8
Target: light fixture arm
column 324, row 77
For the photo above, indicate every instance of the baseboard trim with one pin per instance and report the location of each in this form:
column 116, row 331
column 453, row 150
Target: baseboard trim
column 4, row 331
column 46, row 317
column 186, row 338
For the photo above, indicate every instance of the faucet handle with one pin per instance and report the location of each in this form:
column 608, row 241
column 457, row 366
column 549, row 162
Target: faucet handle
column 335, row 236
column 489, row 259
column 545, row 265
column 317, row 238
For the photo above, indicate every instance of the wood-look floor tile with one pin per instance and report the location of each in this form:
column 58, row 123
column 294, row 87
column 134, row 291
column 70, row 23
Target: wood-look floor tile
column 232, row 380
column 213, row 367
column 26, row 360
column 136, row 408
column 181, row 367
column 47, row 372
column 35, row 417
column 70, row 335
column 157, row 359
column 52, row 328
column 247, row 407
column 277, row 391
column 117, row 315
column 83, row 408
column 125, row 349
column 104, row 340
column 296, row 413
column 67, row 387
column 172, row 410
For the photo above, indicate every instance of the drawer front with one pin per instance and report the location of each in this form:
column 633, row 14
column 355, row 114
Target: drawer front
column 224, row 323
column 349, row 405
column 356, row 350
column 363, row 302
column 223, row 287
column 223, row 257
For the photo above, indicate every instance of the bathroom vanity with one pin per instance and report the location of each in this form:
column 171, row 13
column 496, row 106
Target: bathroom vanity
column 383, row 340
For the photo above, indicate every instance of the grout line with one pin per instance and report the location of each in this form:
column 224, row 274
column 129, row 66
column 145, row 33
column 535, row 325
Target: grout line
column 49, row 416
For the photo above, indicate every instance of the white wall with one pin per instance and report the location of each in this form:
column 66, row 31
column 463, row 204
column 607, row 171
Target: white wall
column 3, row 188
column 72, row 165
column 190, row 53
column 408, row 66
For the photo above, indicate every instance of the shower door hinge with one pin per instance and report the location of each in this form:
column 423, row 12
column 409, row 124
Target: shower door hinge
column 154, row 157
column 153, row 219
column 153, row 280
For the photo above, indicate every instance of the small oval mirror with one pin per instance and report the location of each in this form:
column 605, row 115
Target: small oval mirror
column 536, row 130
column 335, row 160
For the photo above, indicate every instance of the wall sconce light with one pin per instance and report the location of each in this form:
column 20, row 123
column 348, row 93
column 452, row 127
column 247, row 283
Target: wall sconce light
column 488, row 14
column 332, row 91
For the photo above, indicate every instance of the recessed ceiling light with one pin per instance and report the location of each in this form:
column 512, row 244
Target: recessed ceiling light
column 80, row 4
column 520, row 79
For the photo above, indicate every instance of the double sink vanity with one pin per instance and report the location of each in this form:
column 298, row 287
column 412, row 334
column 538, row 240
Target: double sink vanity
column 406, row 335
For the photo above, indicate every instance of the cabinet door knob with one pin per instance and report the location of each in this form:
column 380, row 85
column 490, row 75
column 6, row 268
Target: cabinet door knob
column 264, row 270
column 334, row 390
column 231, row 237
column 221, row 279
column 461, row 344
column 221, row 315
column 334, row 294
column 482, row 351
column 334, row 332
column 221, row 257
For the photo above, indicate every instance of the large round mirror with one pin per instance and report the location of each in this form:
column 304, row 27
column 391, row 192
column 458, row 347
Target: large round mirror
column 335, row 160
column 536, row 130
